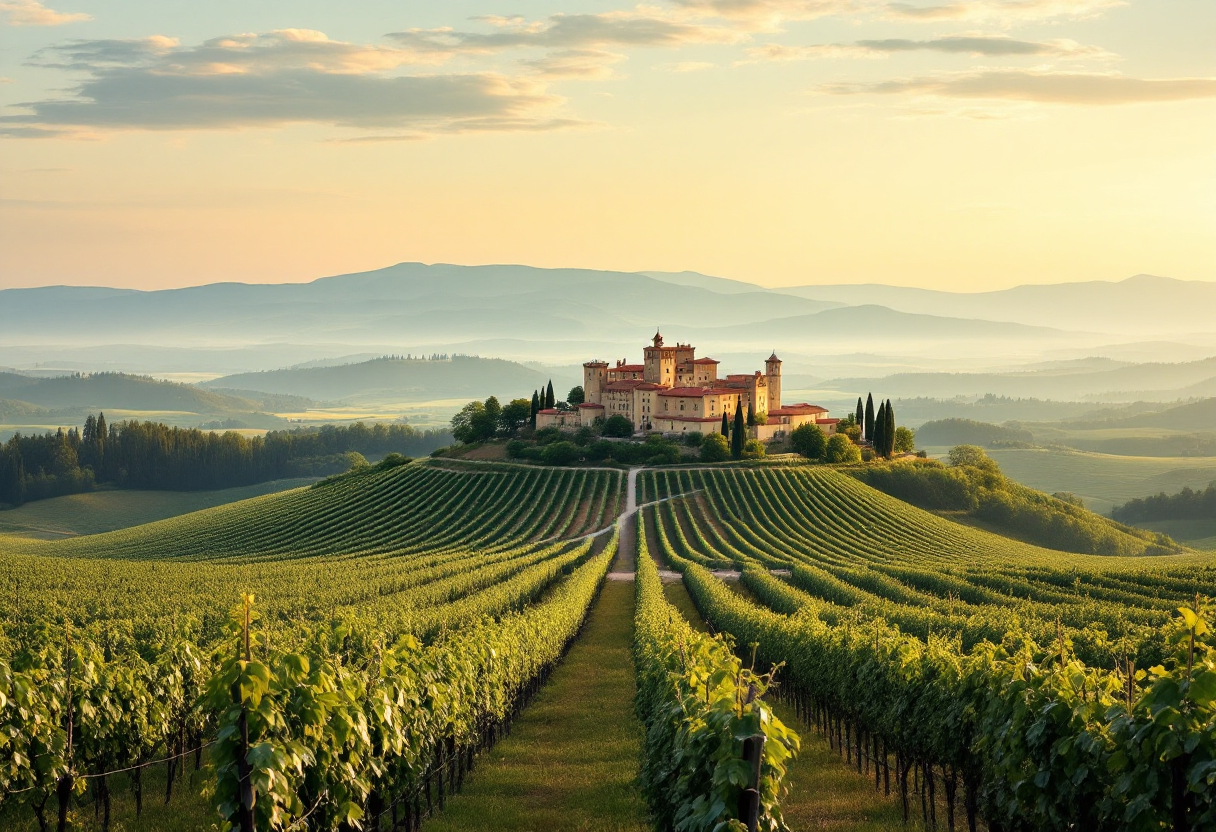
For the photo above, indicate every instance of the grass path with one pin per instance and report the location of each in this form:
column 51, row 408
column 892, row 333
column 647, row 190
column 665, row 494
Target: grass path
column 825, row 792
column 572, row 756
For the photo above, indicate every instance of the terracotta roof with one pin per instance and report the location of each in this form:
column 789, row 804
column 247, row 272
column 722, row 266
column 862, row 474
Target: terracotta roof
column 826, row 421
column 628, row 368
column 697, row 392
column 802, row 409
column 774, row 357
column 688, row 418
column 591, row 404
column 631, row 384
column 552, row 410
column 705, row 361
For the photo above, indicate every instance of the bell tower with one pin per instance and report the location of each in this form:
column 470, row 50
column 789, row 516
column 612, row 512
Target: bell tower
column 772, row 372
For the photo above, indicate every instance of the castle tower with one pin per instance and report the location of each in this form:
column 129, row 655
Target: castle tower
column 595, row 376
column 772, row 371
column 660, row 363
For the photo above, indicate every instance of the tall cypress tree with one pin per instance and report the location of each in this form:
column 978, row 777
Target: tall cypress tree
column 868, row 426
column 549, row 400
column 725, row 424
column 861, row 413
column 736, row 435
column 888, row 434
column 535, row 407
column 880, row 426
column 751, row 414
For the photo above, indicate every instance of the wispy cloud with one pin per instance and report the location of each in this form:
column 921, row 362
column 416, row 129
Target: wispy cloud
column 282, row 77
column 34, row 13
column 1039, row 86
column 583, row 64
column 1000, row 10
column 973, row 45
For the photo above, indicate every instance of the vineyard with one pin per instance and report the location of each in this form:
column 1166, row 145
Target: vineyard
column 340, row 656
column 393, row 621
column 1035, row 689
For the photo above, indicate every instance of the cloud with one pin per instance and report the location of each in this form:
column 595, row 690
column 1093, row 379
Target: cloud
column 1005, row 10
column 1041, row 87
column 771, row 12
column 569, row 31
column 690, row 66
column 973, row 45
column 585, row 64
column 284, row 77
column 33, row 13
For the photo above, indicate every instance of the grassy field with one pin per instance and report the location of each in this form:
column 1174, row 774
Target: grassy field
column 571, row 758
column 1102, row 480
column 106, row 511
column 1198, row 534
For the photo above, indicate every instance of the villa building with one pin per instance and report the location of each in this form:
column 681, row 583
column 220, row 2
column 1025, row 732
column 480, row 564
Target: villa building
column 673, row 391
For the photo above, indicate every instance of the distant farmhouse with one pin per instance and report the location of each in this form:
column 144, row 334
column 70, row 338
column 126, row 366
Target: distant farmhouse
column 673, row 391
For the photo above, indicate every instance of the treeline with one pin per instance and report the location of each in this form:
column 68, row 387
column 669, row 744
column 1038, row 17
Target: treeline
column 974, row 485
column 971, row 432
column 1185, row 505
column 155, row 456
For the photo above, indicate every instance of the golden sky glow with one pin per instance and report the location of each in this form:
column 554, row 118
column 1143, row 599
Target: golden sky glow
column 958, row 145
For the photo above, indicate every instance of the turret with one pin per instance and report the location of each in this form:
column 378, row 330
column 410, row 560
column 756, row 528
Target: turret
column 772, row 371
column 595, row 376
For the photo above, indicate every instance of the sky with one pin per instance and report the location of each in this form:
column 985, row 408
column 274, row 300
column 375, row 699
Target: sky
column 963, row 145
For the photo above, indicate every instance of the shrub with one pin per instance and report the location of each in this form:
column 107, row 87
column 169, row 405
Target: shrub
column 841, row 450
column 391, row 461
column 753, row 449
column 546, row 435
column 617, row 426
column 516, row 449
column 905, row 440
column 561, row 453
column 715, row 448
column 809, row 440
column 694, row 439
column 584, row 435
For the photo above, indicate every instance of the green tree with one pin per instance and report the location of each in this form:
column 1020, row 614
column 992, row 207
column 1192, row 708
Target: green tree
column 753, row 449
column 888, row 431
column 751, row 414
column 736, row 435
column 618, row 426
column 463, row 429
column 867, row 425
column 905, row 440
column 970, row 456
column 860, row 416
column 715, row 448
column 877, row 441
column 841, row 450
column 576, row 396
column 535, row 408
column 725, row 423
column 514, row 416
column 809, row 441
column 549, row 400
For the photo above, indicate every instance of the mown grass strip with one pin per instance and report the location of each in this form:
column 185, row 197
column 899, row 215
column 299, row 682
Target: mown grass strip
column 571, row 758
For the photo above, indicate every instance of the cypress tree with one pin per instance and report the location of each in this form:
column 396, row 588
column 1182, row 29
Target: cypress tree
column 725, row 424
column 535, row 407
column 861, row 413
column 751, row 414
column 888, row 434
column 736, row 435
column 880, row 426
column 868, row 424
column 549, row 400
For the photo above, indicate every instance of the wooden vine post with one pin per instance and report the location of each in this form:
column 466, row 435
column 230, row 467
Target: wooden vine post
column 749, row 798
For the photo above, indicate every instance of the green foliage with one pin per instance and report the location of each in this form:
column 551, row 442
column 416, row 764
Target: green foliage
column 1186, row 504
column 617, row 426
column 561, row 453
column 715, row 448
column 576, row 396
column 753, row 449
column 698, row 702
column 840, row 450
column 809, row 441
column 970, row 432
column 737, row 435
column 905, row 440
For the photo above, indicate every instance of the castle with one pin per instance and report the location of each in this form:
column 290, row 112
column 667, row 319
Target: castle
column 673, row 391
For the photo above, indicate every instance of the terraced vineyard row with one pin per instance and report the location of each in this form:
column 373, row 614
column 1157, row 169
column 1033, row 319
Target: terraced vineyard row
column 1043, row 690
column 400, row 617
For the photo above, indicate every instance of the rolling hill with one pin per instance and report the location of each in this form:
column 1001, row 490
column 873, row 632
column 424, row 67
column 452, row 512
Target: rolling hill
column 399, row 380
column 118, row 391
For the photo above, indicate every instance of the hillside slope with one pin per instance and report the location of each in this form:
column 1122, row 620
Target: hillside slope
column 118, row 391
